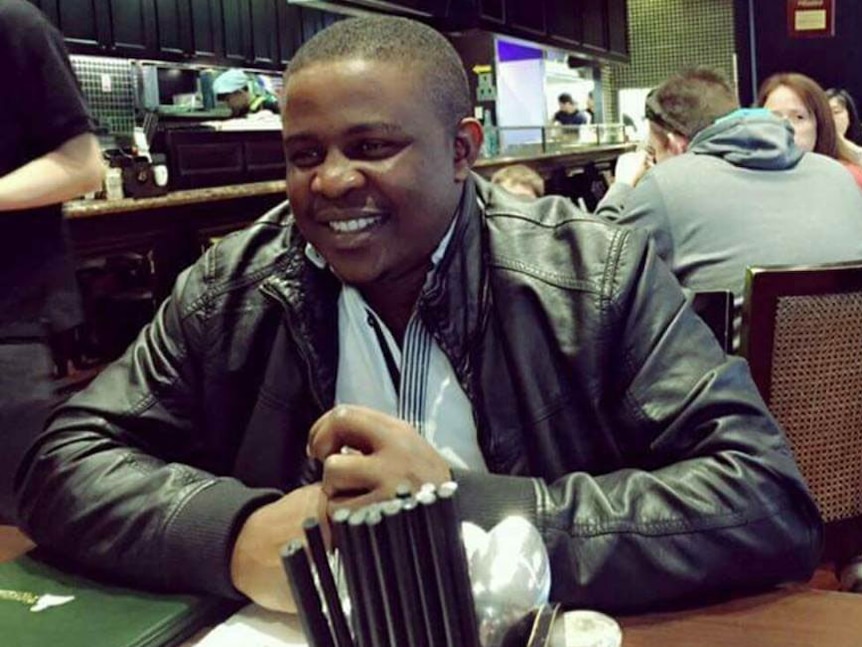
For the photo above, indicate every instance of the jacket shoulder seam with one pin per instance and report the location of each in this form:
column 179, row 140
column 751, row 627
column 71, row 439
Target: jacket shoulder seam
column 607, row 304
column 526, row 218
column 611, row 267
column 554, row 278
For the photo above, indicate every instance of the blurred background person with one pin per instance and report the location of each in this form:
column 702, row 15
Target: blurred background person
column 846, row 118
column 48, row 154
column 569, row 114
column 243, row 94
column 802, row 102
column 521, row 180
column 730, row 188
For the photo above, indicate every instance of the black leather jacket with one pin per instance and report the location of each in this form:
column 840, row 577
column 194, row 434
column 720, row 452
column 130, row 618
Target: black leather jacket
column 605, row 410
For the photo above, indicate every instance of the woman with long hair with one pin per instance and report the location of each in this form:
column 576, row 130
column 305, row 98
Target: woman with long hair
column 846, row 119
column 802, row 101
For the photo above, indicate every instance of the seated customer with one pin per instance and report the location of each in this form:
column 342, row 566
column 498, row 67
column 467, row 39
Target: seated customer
column 731, row 189
column 520, row 179
column 846, row 118
column 405, row 308
column 803, row 103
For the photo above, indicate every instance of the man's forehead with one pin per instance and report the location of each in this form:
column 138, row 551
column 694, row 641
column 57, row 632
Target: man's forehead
column 352, row 66
column 341, row 85
column 347, row 83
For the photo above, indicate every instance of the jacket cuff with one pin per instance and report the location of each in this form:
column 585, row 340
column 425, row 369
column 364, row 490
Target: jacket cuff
column 200, row 538
column 487, row 499
column 614, row 201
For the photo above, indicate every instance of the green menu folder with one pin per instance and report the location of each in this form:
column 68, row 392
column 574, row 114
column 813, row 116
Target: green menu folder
column 98, row 615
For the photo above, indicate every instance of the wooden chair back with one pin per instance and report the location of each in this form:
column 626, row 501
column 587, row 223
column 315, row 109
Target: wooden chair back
column 802, row 336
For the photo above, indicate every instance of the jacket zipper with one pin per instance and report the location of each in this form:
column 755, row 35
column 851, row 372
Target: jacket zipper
column 464, row 372
column 302, row 347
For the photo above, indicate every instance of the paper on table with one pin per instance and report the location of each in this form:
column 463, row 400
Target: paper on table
column 254, row 626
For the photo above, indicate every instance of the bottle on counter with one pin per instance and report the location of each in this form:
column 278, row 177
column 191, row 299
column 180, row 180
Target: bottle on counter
column 114, row 183
column 491, row 145
column 207, row 94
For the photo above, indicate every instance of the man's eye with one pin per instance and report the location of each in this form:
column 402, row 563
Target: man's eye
column 375, row 149
column 305, row 158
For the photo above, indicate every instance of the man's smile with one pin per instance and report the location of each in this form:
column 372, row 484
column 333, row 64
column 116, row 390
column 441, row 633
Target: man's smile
column 355, row 225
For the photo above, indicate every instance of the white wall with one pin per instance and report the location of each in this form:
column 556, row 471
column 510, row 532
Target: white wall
column 520, row 92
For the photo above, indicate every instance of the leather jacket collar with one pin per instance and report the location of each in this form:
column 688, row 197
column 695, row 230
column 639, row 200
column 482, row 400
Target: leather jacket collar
column 452, row 305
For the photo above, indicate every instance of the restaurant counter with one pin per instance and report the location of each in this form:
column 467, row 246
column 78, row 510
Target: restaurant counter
column 569, row 160
column 90, row 208
column 546, row 164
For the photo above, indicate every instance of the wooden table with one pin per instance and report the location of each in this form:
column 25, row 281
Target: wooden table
column 792, row 617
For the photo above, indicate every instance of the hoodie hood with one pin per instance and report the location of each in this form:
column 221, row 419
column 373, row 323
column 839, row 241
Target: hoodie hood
column 754, row 139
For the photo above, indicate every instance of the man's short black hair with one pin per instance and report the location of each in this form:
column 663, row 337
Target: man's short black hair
column 419, row 48
column 565, row 97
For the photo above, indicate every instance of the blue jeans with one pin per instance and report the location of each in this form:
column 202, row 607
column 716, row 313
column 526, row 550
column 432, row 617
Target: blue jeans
column 26, row 399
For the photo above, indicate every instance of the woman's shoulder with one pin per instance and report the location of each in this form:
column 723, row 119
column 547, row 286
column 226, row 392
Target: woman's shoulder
column 855, row 171
column 856, row 150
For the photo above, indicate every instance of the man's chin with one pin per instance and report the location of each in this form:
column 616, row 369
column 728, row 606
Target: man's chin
column 358, row 277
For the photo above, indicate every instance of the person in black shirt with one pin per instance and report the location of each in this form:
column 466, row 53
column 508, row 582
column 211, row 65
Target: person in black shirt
column 568, row 114
column 48, row 154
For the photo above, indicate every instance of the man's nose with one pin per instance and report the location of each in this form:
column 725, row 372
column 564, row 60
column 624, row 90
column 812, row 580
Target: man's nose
column 336, row 176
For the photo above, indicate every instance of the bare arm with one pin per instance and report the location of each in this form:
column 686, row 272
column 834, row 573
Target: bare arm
column 69, row 171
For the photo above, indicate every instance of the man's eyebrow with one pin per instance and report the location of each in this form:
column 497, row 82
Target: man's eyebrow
column 376, row 127
column 298, row 139
column 385, row 127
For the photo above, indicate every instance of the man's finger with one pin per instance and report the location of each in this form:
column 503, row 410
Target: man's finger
column 352, row 426
column 344, row 473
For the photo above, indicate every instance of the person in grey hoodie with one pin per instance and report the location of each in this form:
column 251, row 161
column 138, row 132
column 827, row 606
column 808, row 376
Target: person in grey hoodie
column 721, row 188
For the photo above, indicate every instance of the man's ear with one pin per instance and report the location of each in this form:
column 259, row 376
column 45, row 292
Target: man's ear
column 468, row 141
column 676, row 143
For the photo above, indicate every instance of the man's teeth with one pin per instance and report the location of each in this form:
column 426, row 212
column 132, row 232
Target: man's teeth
column 356, row 224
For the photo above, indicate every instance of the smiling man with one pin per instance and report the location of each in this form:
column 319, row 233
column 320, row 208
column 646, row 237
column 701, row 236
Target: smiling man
column 437, row 328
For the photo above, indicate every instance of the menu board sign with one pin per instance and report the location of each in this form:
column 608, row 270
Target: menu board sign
column 811, row 18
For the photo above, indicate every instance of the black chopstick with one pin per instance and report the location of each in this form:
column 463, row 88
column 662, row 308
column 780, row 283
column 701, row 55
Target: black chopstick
column 358, row 619
column 308, row 603
column 320, row 559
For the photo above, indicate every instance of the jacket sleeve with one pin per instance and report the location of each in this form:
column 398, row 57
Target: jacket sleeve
column 107, row 484
column 714, row 504
column 643, row 207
